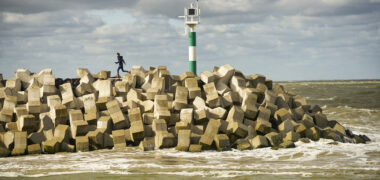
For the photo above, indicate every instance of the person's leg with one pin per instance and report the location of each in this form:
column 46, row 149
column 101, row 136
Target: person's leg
column 118, row 69
column 122, row 68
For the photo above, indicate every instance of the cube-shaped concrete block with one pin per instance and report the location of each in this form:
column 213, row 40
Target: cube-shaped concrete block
column 63, row 133
column 259, row 142
column 274, row 139
column 183, row 140
column 147, row 144
column 165, row 139
column 207, row 77
column 137, row 131
column 118, row 118
column 159, row 125
column 79, row 128
column 236, row 114
column 82, row 143
column 195, row 148
column 119, row 139
column 286, row 126
column 249, row 105
column 222, row 142
column 320, row 120
column 96, row 139
column 34, row 149
column 211, row 130
column 51, row 146
column 28, row 123
column 263, row 126
column 291, row 136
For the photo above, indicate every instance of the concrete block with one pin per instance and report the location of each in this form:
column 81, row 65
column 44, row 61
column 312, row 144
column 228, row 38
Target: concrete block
column 312, row 133
column 222, row 142
column 222, row 88
column 199, row 103
column 137, row 131
column 211, row 130
column 75, row 115
column 22, row 97
column 8, row 108
column 238, row 129
column 82, row 144
column 195, row 148
column 53, row 100
column 63, row 133
column 186, row 75
column 20, row 143
column 264, row 114
column 165, row 139
column 51, row 146
column 14, row 84
column 7, row 139
column 299, row 101
column 249, row 105
column 148, row 131
column 340, row 129
column 282, row 115
column 161, row 107
column 148, row 106
column 105, row 123
column 186, row 115
column 148, row 118
column 147, row 144
column 263, row 126
column 28, row 123
column 321, row 120
column 216, row 113
column 243, row 144
column 227, row 100
column 286, row 126
column 122, row 88
column 34, row 102
column 308, row 121
column 301, row 129
column 181, row 96
column 96, row 139
column 200, row 116
column 104, row 87
column 182, row 125
column 225, row 73
column 134, row 115
column 118, row 118
column 36, row 137
column 11, row 126
column 259, row 142
column 119, row 141
column 274, row 139
column 34, row 149
column 236, row 114
column 192, row 85
column 291, row 136
column 212, row 97
column 270, row 97
column 183, row 140
column 67, row 95
column 208, row 77
column 133, row 94
column 59, row 115
column 79, row 128
column 108, row 140
column 287, row 144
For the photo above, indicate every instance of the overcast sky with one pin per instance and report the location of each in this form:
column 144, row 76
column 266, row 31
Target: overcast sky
column 281, row 39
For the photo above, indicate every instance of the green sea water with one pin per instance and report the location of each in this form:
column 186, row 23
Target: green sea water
column 355, row 104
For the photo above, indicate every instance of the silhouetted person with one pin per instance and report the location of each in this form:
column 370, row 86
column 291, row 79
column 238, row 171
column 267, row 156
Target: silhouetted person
column 120, row 61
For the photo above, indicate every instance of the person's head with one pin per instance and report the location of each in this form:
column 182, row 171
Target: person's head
column 118, row 54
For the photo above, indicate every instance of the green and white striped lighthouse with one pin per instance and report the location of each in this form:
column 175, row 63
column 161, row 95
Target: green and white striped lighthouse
column 192, row 18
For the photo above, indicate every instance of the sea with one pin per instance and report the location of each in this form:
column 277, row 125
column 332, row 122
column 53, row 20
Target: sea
column 355, row 104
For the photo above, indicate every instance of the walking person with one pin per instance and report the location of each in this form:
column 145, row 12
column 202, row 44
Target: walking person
column 120, row 61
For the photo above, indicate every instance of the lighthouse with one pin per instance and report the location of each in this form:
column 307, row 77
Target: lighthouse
column 192, row 18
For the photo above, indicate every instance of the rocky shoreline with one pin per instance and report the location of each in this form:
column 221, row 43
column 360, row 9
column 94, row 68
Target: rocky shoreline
column 153, row 109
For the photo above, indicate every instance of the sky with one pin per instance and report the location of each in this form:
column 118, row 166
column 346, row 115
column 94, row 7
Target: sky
column 281, row 39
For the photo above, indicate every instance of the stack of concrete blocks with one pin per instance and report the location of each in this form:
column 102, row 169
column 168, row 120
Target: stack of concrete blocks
column 219, row 110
